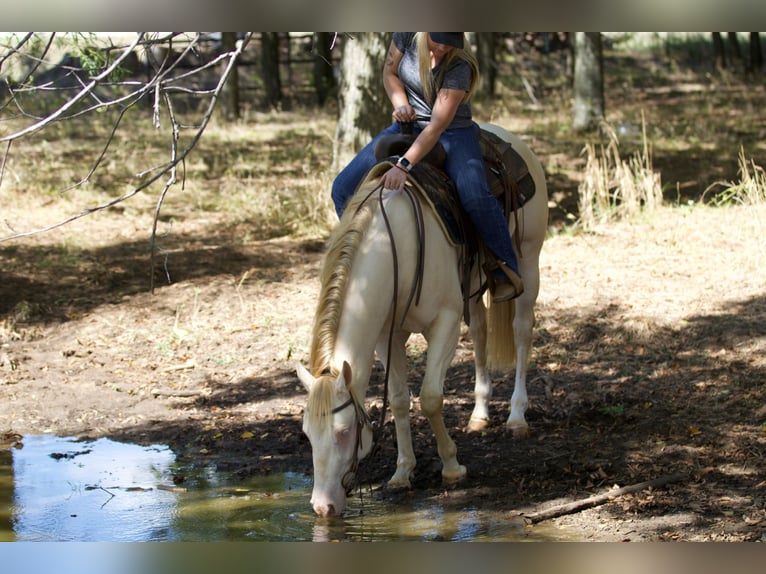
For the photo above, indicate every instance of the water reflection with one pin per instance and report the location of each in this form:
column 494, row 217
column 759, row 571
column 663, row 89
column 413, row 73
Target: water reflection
column 90, row 491
column 58, row 489
column 425, row 520
column 6, row 494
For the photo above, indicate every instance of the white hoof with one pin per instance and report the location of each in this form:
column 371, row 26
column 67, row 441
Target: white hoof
column 455, row 476
column 477, row 425
column 397, row 483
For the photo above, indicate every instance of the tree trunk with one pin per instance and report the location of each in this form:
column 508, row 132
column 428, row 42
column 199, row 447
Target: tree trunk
column 486, row 53
column 362, row 100
column 272, row 84
column 588, row 81
column 719, row 54
column 756, row 55
column 734, row 47
column 230, row 92
column 324, row 76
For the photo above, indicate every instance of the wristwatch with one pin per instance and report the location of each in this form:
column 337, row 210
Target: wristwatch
column 405, row 163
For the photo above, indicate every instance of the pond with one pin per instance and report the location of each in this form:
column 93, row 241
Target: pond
column 56, row 489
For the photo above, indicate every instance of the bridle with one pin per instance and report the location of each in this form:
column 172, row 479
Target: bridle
column 349, row 478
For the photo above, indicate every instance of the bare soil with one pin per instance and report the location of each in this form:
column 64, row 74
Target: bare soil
column 649, row 360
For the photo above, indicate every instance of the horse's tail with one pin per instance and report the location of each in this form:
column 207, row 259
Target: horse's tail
column 501, row 347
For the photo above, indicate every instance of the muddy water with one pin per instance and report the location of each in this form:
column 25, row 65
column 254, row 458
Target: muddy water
column 58, row 489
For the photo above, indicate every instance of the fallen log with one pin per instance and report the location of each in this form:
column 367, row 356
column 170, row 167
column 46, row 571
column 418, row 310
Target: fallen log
column 597, row 499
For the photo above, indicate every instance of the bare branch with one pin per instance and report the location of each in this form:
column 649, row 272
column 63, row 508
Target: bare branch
column 17, row 48
column 160, row 86
column 84, row 92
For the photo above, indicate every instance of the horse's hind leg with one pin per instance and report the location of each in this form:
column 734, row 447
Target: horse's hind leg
column 483, row 385
column 523, row 324
column 399, row 399
column 442, row 341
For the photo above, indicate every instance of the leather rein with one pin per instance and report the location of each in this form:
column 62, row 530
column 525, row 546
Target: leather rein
column 349, row 479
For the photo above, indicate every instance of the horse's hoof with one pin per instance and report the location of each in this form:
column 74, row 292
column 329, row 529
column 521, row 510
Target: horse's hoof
column 396, row 485
column 477, row 425
column 519, row 431
column 455, row 476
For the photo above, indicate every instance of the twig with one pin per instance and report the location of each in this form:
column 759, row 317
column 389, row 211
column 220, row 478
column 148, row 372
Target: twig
column 177, row 393
column 595, row 500
column 169, row 168
column 87, row 89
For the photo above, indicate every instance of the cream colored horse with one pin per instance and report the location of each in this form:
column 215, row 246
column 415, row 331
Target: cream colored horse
column 356, row 317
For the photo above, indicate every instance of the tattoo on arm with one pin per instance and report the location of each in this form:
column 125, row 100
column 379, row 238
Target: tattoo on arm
column 390, row 58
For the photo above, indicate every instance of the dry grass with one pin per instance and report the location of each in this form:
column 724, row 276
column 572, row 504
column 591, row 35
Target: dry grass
column 749, row 190
column 268, row 171
column 614, row 188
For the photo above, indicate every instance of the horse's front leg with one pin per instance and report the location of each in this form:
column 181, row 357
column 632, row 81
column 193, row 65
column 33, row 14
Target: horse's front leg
column 442, row 342
column 399, row 399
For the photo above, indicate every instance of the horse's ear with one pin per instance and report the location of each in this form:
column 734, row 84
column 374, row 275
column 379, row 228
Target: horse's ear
column 304, row 376
column 346, row 372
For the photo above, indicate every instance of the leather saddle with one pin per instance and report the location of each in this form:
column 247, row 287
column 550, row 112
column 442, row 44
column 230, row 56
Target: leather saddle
column 507, row 174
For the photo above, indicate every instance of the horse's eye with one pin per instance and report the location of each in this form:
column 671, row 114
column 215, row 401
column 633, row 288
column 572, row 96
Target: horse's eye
column 342, row 435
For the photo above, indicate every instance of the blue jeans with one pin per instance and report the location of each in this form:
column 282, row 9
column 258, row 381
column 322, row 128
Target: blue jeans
column 465, row 167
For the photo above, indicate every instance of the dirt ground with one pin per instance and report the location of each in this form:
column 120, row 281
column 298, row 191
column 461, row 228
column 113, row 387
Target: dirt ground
column 649, row 361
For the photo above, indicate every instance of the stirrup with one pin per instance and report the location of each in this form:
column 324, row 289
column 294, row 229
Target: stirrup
column 503, row 290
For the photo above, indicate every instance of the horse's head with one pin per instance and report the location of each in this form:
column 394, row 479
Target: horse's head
column 340, row 434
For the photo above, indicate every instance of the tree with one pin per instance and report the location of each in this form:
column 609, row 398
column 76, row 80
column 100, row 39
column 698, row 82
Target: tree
column 588, row 81
column 272, row 82
column 734, row 46
column 719, row 52
column 756, row 55
column 324, row 73
column 363, row 104
column 107, row 83
column 230, row 94
column 486, row 45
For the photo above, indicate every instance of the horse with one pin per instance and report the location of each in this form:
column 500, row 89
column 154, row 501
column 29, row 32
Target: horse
column 368, row 279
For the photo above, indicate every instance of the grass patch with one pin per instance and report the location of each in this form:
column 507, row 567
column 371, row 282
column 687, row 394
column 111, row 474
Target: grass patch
column 749, row 190
column 614, row 188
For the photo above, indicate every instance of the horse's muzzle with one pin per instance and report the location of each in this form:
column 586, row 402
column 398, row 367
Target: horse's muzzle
column 325, row 510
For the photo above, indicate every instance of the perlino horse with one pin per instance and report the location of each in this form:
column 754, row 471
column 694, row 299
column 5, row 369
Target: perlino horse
column 366, row 306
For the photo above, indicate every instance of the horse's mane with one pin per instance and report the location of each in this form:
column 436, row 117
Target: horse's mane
column 320, row 401
column 334, row 277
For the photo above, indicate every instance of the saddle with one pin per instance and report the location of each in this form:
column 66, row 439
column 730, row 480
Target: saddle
column 509, row 181
column 507, row 175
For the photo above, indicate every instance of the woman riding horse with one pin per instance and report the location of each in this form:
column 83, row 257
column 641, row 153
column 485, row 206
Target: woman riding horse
column 430, row 78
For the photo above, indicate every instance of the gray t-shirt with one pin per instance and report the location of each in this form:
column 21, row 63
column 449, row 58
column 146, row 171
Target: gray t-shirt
column 457, row 77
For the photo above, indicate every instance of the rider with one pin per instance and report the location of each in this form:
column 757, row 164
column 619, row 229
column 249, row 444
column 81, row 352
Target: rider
column 430, row 78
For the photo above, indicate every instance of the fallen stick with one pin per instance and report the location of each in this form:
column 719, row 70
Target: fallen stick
column 177, row 393
column 597, row 499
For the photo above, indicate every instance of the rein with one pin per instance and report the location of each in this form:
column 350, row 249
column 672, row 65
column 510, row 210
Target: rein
column 361, row 416
column 349, row 478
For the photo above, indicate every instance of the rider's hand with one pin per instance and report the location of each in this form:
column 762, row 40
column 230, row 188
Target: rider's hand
column 404, row 114
column 394, row 179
